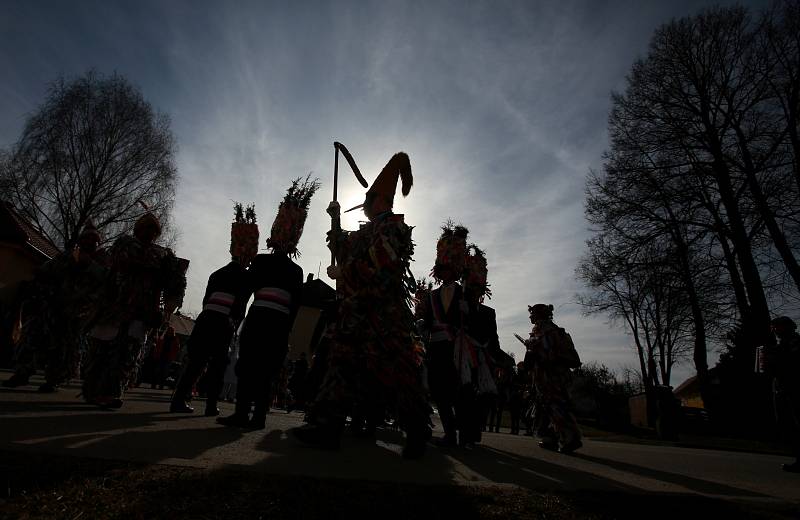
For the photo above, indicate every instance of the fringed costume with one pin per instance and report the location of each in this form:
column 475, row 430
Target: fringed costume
column 550, row 357
column 372, row 362
column 448, row 352
column 142, row 275
column 56, row 313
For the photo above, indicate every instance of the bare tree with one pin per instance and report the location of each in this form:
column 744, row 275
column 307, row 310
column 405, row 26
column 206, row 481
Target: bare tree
column 96, row 150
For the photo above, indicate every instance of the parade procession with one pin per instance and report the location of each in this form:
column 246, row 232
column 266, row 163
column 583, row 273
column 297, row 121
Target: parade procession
column 391, row 347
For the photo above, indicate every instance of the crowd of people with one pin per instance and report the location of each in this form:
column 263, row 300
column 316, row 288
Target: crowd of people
column 393, row 346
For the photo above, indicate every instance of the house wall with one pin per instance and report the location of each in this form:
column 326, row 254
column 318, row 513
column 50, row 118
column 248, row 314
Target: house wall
column 16, row 265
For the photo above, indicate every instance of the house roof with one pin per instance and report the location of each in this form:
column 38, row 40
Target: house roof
column 16, row 229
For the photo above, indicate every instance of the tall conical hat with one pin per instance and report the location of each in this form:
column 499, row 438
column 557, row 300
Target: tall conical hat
column 451, row 250
column 385, row 185
column 244, row 232
column 288, row 226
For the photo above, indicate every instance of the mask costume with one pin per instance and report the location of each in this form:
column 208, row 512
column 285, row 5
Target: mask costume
column 371, row 361
column 550, row 357
column 276, row 283
column 481, row 329
column 224, row 304
column 56, row 313
column 448, row 358
column 142, row 275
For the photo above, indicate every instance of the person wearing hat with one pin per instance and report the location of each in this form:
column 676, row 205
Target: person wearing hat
column 444, row 319
column 224, row 304
column 481, row 329
column 142, row 275
column 371, row 361
column 56, row 313
column 550, row 356
column 783, row 364
column 276, row 283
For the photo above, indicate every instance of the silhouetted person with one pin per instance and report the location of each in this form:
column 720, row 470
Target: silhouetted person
column 552, row 355
column 783, row 364
column 147, row 285
column 444, row 317
column 166, row 351
column 371, row 359
column 276, row 282
column 224, row 303
column 59, row 305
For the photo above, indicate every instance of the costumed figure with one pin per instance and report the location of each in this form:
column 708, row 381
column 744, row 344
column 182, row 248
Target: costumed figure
column 481, row 328
column 550, row 356
column 145, row 286
column 783, row 364
column 277, row 283
column 371, row 361
column 450, row 357
column 224, row 305
column 60, row 304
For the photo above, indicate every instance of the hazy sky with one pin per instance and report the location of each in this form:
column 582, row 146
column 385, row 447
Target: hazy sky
column 501, row 106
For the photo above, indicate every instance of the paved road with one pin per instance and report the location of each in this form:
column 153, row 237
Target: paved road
column 144, row 431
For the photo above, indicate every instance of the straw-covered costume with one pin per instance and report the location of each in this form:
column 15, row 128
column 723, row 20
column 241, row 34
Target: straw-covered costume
column 59, row 306
column 224, row 305
column 372, row 362
column 444, row 318
column 481, row 329
column 276, row 283
column 146, row 285
column 550, row 356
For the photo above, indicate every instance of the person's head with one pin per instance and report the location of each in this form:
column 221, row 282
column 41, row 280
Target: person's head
column 244, row 234
column 88, row 242
column 475, row 275
column 292, row 212
column 147, row 228
column 540, row 313
column 451, row 253
column 380, row 196
column 783, row 326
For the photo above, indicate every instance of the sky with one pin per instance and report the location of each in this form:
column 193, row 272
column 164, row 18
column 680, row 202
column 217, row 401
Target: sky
column 502, row 107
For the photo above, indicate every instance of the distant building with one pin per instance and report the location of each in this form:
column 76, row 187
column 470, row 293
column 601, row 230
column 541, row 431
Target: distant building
column 689, row 391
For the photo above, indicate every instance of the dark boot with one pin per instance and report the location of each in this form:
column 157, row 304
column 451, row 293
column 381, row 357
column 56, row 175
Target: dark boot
column 258, row 422
column 792, row 468
column 416, row 443
column 47, row 388
column 211, row 408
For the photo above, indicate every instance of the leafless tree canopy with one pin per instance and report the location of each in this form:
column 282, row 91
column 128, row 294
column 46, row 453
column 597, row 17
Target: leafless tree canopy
column 93, row 150
column 695, row 214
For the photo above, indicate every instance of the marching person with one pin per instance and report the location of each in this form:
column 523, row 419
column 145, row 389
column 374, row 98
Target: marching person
column 481, row 328
column 443, row 316
column 224, row 304
column 57, row 312
column 277, row 282
column 142, row 275
column 371, row 360
column 783, row 364
column 550, row 356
